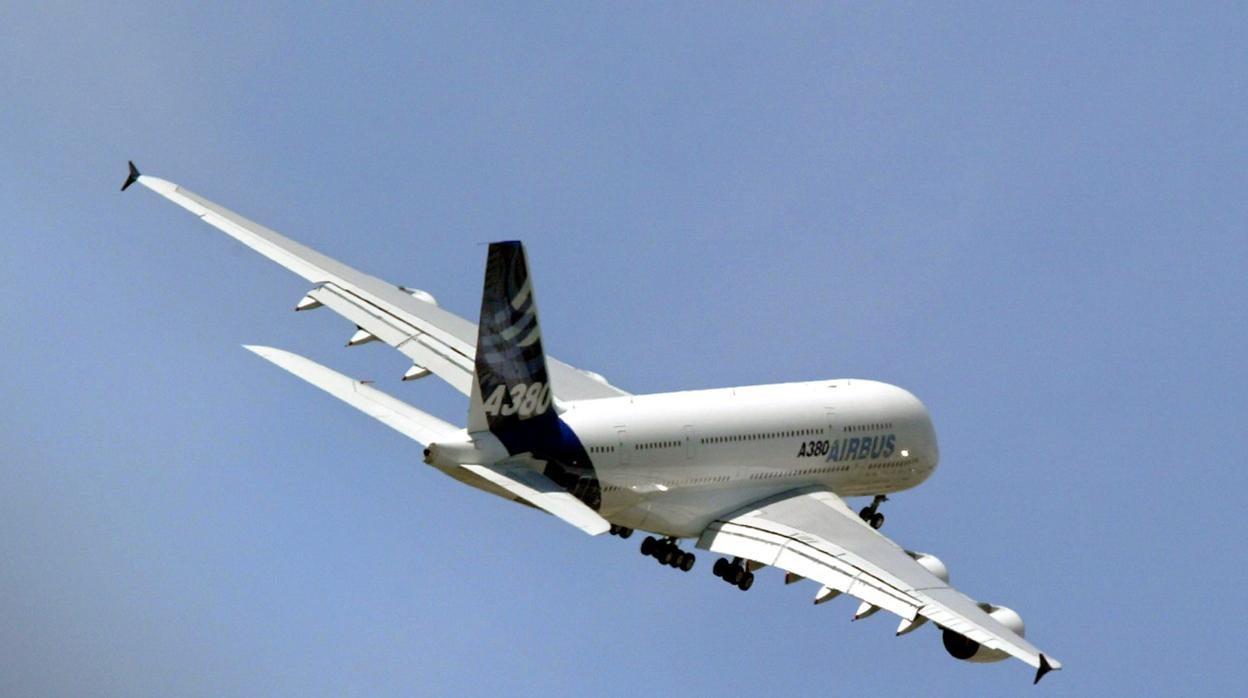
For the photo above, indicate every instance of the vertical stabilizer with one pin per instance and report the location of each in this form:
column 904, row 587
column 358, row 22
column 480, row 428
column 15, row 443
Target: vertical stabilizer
column 512, row 386
column 511, row 395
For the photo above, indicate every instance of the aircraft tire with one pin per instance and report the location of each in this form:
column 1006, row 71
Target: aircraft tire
column 686, row 561
column 665, row 554
column 647, row 546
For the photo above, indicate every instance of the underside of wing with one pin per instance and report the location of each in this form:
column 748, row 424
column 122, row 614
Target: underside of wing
column 434, row 339
column 812, row 533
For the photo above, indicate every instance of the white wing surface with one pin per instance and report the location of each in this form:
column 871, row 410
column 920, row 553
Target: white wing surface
column 431, row 337
column 542, row 492
column 398, row 415
column 812, row 533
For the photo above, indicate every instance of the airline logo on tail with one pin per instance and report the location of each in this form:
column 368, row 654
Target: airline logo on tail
column 510, row 363
column 513, row 397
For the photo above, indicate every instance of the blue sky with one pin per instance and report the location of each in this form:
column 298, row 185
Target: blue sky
column 1033, row 217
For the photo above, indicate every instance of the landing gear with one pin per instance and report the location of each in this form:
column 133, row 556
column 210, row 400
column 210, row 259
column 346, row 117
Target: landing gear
column 667, row 553
column 648, row 545
column 686, row 561
column 734, row 573
column 869, row 514
column 621, row 531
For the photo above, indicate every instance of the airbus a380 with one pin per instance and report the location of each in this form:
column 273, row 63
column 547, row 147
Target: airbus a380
column 756, row 475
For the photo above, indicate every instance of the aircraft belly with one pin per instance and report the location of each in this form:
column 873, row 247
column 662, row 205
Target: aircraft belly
column 683, row 514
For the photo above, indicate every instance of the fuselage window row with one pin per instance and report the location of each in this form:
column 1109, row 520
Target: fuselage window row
column 796, row 473
column 892, row 464
column 737, row 438
column 867, row 427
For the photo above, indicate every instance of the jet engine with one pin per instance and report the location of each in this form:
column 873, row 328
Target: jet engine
column 962, row 647
column 932, row 564
column 419, row 295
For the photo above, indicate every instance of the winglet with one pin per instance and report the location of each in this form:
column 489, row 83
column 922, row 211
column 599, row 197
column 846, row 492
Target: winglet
column 134, row 176
column 1045, row 668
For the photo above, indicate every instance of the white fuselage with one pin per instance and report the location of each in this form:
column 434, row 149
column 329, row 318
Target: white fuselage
column 671, row 463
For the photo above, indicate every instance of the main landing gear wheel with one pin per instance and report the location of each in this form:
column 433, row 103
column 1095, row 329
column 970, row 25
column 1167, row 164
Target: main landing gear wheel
column 870, row 514
column 621, row 531
column 647, row 546
column 734, row 573
column 667, row 553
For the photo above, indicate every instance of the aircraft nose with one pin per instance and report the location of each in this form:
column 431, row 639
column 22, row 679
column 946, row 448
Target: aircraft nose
column 930, row 447
column 921, row 419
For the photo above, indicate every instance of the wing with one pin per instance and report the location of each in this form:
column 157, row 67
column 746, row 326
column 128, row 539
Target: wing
column 396, row 414
column 812, row 533
column 431, row 337
column 542, row 492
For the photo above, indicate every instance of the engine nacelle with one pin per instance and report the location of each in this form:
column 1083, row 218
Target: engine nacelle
column 596, row 376
column 419, row 295
column 932, row 564
column 962, row 647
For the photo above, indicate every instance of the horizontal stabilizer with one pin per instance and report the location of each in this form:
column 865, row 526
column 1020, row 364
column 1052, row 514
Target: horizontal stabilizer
column 542, row 492
column 398, row 415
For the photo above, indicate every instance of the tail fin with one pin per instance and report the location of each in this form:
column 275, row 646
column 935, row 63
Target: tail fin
column 512, row 386
column 511, row 395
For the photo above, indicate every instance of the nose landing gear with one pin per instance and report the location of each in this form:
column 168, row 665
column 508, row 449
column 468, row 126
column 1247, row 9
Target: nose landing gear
column 869, row 514
column 667, row 553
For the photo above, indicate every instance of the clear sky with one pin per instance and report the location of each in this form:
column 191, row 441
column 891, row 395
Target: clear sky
column 1033, row 217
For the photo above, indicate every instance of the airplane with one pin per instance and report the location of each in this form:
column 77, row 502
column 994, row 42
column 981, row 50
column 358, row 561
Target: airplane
column 756, row 475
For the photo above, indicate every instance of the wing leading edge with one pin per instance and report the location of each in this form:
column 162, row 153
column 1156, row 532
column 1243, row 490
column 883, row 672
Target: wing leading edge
column 431, row 337
column 812, row 533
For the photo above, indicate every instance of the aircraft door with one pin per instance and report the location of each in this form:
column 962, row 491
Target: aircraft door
column 622, row 446
column 691, row 444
